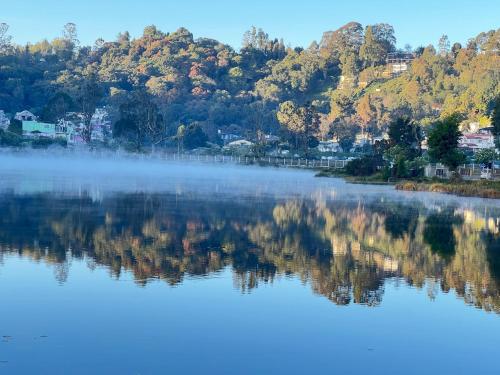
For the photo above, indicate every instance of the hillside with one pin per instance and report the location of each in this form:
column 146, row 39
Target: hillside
column 202, row 81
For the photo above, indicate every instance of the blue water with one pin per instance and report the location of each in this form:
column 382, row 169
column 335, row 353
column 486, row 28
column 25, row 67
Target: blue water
column 301, row 276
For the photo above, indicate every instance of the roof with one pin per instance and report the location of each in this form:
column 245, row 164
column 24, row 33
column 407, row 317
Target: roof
column 35, row 126
column 25, row 112
column 241, row 142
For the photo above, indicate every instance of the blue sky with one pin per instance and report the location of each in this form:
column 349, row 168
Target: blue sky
column 417, row 22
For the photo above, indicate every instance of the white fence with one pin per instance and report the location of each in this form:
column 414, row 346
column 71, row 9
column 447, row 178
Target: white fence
column 267, row 161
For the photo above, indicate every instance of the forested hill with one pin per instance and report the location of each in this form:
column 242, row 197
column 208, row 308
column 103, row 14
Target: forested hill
column 344, row 77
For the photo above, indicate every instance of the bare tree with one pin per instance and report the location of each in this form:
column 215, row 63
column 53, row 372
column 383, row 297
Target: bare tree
column 89, row 95
column 5, row 39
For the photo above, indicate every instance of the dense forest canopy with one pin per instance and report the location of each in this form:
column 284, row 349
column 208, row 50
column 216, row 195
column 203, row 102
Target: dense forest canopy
column 203, row 82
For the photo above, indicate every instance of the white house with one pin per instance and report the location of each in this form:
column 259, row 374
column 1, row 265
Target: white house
column 476, row 141
column 25, row 116
column 328, row 146
column 101, row 126
column 240, row 143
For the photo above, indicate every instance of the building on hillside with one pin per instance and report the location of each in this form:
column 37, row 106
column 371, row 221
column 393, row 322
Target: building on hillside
column 476, row 141
column 35, row 129
column 71, row 129
column 228, row 137
column 101, row 125
column 346, row 82
column 240, row 143
column 329, row 146
column 25, row 116
column 269, row 138
column 73, row 126
column 4, row 120
column 399, row 62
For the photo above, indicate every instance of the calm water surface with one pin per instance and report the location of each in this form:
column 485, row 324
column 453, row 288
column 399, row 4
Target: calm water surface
column 140, row 267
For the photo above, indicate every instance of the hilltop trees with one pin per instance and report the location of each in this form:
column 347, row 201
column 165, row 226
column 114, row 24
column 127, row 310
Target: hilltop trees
column 379, row 41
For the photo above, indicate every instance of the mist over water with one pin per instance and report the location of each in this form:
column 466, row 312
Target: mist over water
column 100, row 175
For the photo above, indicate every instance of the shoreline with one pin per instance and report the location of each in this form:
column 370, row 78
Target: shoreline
column 464, row 188
column 479, row 188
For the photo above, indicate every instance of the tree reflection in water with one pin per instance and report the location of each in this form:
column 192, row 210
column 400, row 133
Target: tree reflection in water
column 344, row 250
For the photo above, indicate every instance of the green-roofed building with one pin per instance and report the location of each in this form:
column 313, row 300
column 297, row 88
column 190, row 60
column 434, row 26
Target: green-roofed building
column 39, row 129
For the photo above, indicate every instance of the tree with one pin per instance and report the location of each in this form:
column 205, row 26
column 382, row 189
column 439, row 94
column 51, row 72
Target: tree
column 302, row 122
column 5, row 39
column 444, row 46
column 379, row 41
column 70, row 34
column 485, row 156
column 345, row 131
column 407, row 135
column 443, row 142
column 89, row 95
column 342, row 47
column 455, row 49
column 194, row 137
column 140, row 120
column 15, row 127
column 181, row 133
column 57, row 107
column 495, row 121
column 405, row 138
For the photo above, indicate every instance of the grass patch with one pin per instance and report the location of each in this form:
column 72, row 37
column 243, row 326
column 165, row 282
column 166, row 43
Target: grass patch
column 482, row 188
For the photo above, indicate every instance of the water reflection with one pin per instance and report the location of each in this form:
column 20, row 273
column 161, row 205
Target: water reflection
column 344, row 250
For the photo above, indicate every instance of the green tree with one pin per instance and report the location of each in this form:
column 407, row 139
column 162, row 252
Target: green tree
column 194, row 137
column 15, row 127
column 379, row 41
column 301, row 122
column 406, row 135
column 443, row 142
column 495, row 121
column 485, row 156
column 57, row 107
column 345, row 131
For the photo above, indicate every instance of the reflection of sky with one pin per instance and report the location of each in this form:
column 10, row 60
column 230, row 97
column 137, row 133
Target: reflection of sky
column 96, row 177
column 94, row 324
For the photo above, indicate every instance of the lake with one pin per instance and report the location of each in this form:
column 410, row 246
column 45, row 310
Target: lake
column 145, row 267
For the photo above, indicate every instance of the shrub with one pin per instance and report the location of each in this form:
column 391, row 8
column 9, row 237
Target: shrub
column 364, row 166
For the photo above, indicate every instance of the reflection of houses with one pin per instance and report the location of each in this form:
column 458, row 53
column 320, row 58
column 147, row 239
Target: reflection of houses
column 25, row 116
column 4, row 121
